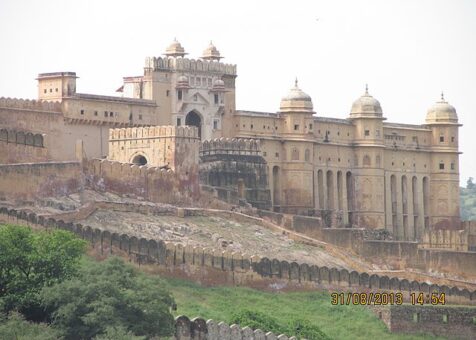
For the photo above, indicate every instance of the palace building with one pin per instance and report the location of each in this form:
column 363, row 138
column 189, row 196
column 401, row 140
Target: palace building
column 361, row 171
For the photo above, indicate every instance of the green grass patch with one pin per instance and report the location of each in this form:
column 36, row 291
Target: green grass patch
column 224, row 303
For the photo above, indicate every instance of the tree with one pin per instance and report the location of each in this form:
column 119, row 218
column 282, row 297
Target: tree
column 469, row 184
column 14, row 326
column 107, row 297
column 31, row 260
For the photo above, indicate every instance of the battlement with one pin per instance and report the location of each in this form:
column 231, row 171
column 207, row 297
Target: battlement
column 185, row 64
column 445, row 239
column 27, row 104
column 236, row 146
column 153, row 132
column 21, row 137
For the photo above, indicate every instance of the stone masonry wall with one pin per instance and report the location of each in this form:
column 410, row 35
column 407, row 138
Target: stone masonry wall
column 31, row 180
column 449, row 321
column 210, row 266
column 199, row 329
column 151, row 183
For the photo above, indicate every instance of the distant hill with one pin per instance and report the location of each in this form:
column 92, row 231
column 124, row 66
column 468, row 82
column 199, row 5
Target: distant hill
column 468, row 201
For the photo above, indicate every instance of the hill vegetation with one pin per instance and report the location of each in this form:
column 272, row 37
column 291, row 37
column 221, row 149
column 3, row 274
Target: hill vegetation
column 76, row 297
column 468, row 201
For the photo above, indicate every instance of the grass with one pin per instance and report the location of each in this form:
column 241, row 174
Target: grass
column 337, row 322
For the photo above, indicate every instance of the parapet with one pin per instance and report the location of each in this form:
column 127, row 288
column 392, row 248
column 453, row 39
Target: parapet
column 20, row 137
column 26, row 104
column 153, row 132
column 185, row 64
column 237, row 146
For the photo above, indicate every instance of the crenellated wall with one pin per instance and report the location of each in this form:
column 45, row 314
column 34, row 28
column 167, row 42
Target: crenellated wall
column 210, row 266
column 21, row 147
column 33, row 180
column 151, row 183
column 185, row 64
column 446, row 239
column 174, row 147
column 199, row 329
column 26, row 104
column 448, row 321
column 234, row 170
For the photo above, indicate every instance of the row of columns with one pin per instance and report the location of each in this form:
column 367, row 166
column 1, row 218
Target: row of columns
column 333, row 190
column 407, row 204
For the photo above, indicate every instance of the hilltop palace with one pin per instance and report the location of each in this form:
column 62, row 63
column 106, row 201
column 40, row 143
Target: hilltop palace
column 363, row 170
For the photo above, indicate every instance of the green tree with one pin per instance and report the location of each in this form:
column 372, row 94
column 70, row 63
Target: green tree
column 469, row 184
column 15, row 327
column 295, row 327
column 31, row 260
column 107, row 297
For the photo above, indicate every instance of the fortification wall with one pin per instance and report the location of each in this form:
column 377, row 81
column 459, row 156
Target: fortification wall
column 173, row 146
column 448, row 321
column 213, row 267
column 32, row 180
column 449, row 260
column 234, row 170
column 445, row 239
column 198, row 329
column 59, row 136
column 185, row 64
column 151, row 183
column 21, row 147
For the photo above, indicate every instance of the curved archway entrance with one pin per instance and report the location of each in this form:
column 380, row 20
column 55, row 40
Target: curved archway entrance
column 139, row 160
column 194, row 119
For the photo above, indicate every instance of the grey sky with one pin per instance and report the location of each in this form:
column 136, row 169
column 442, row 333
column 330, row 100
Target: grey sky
column 407, row 51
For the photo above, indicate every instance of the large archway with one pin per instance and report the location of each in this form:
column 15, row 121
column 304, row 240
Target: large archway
column 139, row 160
column 194, row 119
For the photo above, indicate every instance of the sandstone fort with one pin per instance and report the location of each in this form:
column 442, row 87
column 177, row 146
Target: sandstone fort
column 173, row 136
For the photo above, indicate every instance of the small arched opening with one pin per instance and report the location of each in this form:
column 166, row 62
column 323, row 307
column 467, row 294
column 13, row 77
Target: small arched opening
column 139, row 160
column 194, row 119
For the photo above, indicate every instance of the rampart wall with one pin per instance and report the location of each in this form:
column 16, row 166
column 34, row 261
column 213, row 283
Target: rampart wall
column 445, row 239
column 22, row 147
column 186, row 64
column 199, row 329
column 151, row 183
column 213, row 267
column 450, row 260
column 234, row 170
column 448, row 321
column 31, row 180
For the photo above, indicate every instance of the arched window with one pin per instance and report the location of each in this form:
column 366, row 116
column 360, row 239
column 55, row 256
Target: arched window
column 307, row 155
column 294, row 154
column 366, row 161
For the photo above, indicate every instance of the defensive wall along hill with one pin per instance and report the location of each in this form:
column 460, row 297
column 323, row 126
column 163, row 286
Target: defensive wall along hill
column 212, row 266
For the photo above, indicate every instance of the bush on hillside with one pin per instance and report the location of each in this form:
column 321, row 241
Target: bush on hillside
column 297, row 327
column 30, row 261
column 110, row 299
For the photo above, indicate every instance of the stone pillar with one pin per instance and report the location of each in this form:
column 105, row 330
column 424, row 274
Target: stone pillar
column 345, row 206
column 411, row 230
column 388, row 203
column 421, row 214
column 398, row 188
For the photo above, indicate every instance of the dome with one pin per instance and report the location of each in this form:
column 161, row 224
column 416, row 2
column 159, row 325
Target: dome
column 441, row 112
column 175, row 50
column 366, row 105
column 218, row 85
column 211, row 53
column 182, row 81
column 296, row 100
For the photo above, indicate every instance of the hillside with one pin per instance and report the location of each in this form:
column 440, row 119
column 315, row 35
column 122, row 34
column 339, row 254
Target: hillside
column 468, row 201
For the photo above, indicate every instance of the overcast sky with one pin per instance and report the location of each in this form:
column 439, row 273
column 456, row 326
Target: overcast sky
column 407, row 51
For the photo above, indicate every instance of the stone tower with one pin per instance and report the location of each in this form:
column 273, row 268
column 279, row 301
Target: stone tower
column 367, row 117
column 443, row 188
column 56, row 85
column 192, row 92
